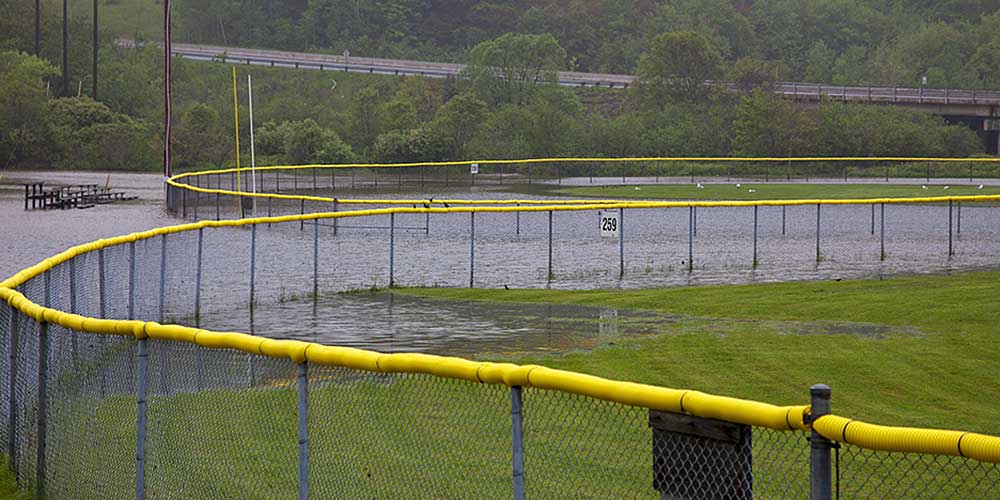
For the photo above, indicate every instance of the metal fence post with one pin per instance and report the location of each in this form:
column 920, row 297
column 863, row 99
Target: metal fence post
column 315, row 259
column 197, row 197
column 184, row 203
column 335, row 219
column 951, row 250
column 163, row 273
column 302, row 211
column 197, row 280
column 873, row 219
column 694, row 217
column 783, row 207
column 882, row 232
column 392, row 249
column 101, row 288
column 472, row 249
column 303, row 407
column 517, row 220
column 755, row 236
column 690, row 238
column 549, row 277
column 253, row 268
column 517, row 441
column 140, row 441
column 72, row 309
column 131, row 280
column 12, row 393
column 817, row 232
column 958, row 219
column 218, row 206
column 43, row 376
column 820, row 478
column 621, row 243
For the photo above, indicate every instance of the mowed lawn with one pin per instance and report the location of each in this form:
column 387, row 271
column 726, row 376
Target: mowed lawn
column 911, row 351
column 770, row 191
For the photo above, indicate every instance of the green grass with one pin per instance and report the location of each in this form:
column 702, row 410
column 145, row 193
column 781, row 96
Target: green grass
column 934, row 368
column 771, row 191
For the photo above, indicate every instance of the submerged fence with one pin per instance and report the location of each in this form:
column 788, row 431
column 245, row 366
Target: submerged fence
column 104, row 403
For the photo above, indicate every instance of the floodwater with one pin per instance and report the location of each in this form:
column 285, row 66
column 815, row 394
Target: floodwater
column 436, row 250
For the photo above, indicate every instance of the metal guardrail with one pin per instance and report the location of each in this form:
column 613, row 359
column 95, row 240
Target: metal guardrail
column 799, row 90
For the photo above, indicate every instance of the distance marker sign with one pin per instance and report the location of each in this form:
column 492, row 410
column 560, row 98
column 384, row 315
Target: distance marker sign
column 608, row 223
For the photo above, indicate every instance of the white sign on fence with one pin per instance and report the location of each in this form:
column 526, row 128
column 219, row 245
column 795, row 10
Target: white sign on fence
column 474, row 168
column 609, row 223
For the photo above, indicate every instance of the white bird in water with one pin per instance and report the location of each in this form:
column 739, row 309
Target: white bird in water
column 947, row 187
column 751, row 190
column 637, row 188
column 703, row 187
column 738, row 185
column 923, row 187
column 980, row 186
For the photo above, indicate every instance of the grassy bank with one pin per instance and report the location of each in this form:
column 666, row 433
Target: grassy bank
column 916, row 351
column 771, row 191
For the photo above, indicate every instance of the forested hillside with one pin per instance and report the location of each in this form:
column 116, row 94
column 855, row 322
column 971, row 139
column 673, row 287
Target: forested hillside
column 505, row 105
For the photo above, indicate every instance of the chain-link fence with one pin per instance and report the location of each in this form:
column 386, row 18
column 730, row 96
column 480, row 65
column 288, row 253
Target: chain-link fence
column 168, row 412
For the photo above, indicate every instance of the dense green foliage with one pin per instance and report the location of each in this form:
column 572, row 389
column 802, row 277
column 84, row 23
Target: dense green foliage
column 505, row 105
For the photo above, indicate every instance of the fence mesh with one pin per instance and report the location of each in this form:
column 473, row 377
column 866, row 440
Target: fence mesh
column 863, row 473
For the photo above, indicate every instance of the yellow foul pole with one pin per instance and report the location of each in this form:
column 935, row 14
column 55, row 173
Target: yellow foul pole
column 236, row 110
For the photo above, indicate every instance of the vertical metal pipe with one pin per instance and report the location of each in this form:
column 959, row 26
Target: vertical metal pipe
column 303, row 407
column 882, row 232
column 951, row 249
column 873, row 218
column 184, row 203
column 336, row 220
column 517, row 441
column 472, row 249
column 690, row 238
column 73, row 309
column 131, row 280
column 12, row 392
column 621, row 243
column 269, row 209
column 43, row 376
column 817, row 232
column 392, row 249
column 197, row 197
column 253, row 267
column 316, row 260
column 218, row 205
column 958, row 219
column 549, row 276
column 101, row 284
column 517, row 220
column 163, row 273
column 755, row 236
column 314, row 178
column 197, row 280
column 694, row 224
column 142, row 385
column 333, row 179
column 820, row 477
column 302, row 211
column 427, row 221
column 783, row 207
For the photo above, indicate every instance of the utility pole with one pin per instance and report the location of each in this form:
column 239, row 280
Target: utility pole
column 65, row 62
column 38, row 28
column 93, row 92
column 167, row 170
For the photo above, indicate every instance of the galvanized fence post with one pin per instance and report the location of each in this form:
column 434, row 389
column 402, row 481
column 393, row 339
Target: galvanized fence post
column 958, row 219
column 184, row 203
column 818, row 258
column 873, row 219
column 315, row 259
column 142, row 385
column 820, row 478
column 951, row 250
column 694, row 217
column 43, row 378
column 517, row 441
column 197, row 280
column 197, row 197
column 101, row 284
column 517, row 220
column 163, row 273
column 472, row 248
column 131, row 280
column 12, row 393
column 690, row 238
column 335, row 219
column 621, row 243
column 302, row 211
column 783, row 207
column 303, row 407
column 882, row 232
column 72, row 309
column 218, row 206
column 755, row 236
column 253, row 267
column 392, row 250
column 549, row 276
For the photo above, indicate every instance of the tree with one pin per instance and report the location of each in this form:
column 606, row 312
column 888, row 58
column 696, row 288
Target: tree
column 767, row 125
column 676, row 67
column 23, row 98
column 510, row 69
column 88, row 134
column 819, row 63
column 200, row 139
column 414, row 145
column 748, row 74
column 459, row 121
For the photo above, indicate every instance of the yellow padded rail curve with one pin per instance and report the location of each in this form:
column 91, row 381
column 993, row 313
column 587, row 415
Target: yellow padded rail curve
column 980, row 447
column 908, row 439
